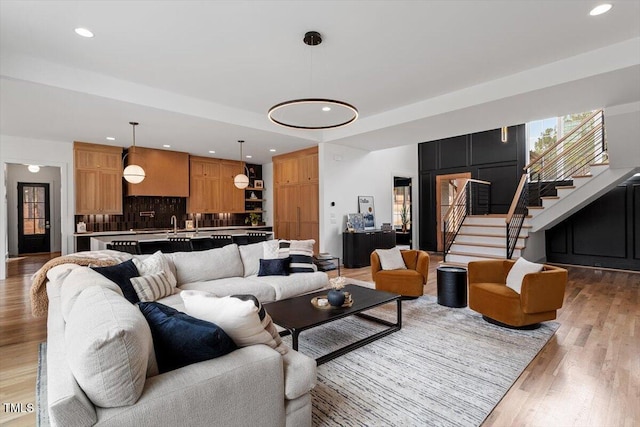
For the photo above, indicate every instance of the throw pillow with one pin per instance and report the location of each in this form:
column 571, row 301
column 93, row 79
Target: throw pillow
column 152, row 287
column 250, row 255
column 109, row 347
column 391, row 259
column 121, row 275
column 180, row 340
column 242, row 317
column 154, row 264
column 274, row 267
column 271, row 249
column 521, row 268
column 201, row 266
column 301, row 254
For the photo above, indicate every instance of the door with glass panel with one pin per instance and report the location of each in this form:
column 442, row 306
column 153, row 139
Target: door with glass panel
column 34, row 229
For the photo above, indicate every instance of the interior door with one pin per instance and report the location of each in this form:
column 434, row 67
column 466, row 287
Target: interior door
column 34, row 227
column 447, row 187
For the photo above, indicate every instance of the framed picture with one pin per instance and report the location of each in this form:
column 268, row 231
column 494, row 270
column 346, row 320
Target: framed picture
column 356, row 220
column 365, row 207
column 258, row 184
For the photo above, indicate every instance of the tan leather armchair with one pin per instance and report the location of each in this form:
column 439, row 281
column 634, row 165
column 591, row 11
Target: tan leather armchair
column 409, row 282
column 542, row 293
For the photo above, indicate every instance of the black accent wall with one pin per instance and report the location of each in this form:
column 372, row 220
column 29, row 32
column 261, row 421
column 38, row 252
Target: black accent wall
column 485, row 156
column 606, row 233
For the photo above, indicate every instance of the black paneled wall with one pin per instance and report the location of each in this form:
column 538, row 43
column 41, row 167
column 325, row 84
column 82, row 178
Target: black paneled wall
column 485, row 156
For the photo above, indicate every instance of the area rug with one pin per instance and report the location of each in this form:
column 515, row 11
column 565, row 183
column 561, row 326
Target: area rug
column 445, row 367
column 42, row 413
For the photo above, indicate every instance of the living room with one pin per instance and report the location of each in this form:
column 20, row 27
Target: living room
column 359, row 159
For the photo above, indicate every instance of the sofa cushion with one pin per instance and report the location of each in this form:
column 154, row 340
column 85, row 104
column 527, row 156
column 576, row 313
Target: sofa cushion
column 154, row 264
column 242, row 317
column 109, row 347
column 301, row 254
column 180, row 340
column 250, row 255
column 274, row 267
column 77, row 281
column 235, row 285
column 61, row 271
column 521, row 268
column 299, row 374
column 152, row 287
column 212, row 264
column 294, row 284
column 121, row 274
column 391, row 259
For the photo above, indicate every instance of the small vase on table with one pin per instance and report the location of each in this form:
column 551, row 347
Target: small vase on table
column 336, row 295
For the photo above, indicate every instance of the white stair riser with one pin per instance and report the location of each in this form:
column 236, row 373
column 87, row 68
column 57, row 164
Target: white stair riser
column 484, row 220
column 480, row 250
column 463, row 259
column 598, row 169
column 493, row 231
column 579, row 182
column 493, row 240
column 547, row 203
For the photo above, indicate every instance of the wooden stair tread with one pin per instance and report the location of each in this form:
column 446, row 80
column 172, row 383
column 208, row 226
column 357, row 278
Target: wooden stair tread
column 566, row 187
column 550, row 197
column 491, row 225
column 485, row 235
column 535, row 207
column 485, row 245
column 476, row 255
column 488, row 216
column 452, row 264
column 581, row 176
column 600, row 164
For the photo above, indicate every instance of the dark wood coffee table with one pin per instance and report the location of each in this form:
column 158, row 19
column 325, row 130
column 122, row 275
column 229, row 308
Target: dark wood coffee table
column 298, row 314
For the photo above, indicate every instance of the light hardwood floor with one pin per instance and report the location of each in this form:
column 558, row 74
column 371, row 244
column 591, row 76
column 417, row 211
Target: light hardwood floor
column 587, row 375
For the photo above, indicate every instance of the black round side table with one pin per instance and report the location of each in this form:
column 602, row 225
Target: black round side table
column 452, row 286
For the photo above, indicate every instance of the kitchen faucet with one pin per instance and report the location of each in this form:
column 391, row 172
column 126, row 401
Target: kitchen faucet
column 195, row 215
column 174, row 222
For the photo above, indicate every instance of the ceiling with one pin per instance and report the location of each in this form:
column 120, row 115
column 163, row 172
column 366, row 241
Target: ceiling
column 200, row 75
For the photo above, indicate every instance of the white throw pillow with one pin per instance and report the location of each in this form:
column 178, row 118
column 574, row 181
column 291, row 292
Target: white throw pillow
column 271, row 249
column 250, row 255
column 200, row 266
column 391, row 259
column 154, row 264
column 109, row 347
column 244, row 320
column 152, row 287
column 519, row 270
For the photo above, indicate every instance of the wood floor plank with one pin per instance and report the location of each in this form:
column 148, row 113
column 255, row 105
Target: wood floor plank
column 588, row 374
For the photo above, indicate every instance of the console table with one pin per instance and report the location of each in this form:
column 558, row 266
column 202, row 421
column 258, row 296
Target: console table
column 357, row 247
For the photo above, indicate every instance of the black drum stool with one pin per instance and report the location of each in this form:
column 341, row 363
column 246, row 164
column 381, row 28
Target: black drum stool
column 452, row 286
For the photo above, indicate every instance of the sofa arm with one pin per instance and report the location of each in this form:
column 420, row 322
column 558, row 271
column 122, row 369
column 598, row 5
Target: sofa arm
column 543, row 291
column 243, row 388
column 375, row 264
column 299, row 374
column 487, row 272
column 422, row 265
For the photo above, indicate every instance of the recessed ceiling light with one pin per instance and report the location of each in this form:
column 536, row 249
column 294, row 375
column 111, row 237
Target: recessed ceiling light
column 212, row 151
column 110, row 138
column 33, row 168
column 273, row 150
column 326, row 108
column 600, row 9
column 166, row 145
column 248, row 156
column 83, row 32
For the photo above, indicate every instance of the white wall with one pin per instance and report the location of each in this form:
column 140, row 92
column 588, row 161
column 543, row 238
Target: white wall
column 622, row 125
column 346, row 173
column 46, row 175
column 44, row 153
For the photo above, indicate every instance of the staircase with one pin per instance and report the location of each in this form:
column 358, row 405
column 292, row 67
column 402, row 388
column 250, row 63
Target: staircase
column 565, row 178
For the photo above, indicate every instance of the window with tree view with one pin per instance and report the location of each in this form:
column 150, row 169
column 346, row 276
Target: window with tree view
column 33, row 210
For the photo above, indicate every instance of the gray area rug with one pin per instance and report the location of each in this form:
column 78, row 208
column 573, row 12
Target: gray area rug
column 42, row 413
column 445, row 367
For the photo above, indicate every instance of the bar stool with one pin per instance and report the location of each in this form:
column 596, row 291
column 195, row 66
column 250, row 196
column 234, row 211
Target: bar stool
column 256, row 236
column 129, row 246
column 220, row 240
column 180, row 244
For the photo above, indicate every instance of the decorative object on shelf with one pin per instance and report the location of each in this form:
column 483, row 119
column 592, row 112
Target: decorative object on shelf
column 258, row 184
column 241, row 180
column 356, row 220
column 365, row 207
column 386, row 226
column 253, row 195
column 133, row 173
column 253, row 219
column 313, row 113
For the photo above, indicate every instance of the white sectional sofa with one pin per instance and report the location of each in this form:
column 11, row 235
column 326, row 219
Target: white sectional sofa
column 251, row 386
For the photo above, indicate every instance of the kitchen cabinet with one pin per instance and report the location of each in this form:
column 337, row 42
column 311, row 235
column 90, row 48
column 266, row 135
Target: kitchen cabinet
column 211, row 186
column 167, row 172
column 98, row 179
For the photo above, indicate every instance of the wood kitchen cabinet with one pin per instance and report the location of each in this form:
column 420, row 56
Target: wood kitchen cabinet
column 167, row 172
column 211, row 186
column 98, row 179
column 231, row 197
column 296, row 196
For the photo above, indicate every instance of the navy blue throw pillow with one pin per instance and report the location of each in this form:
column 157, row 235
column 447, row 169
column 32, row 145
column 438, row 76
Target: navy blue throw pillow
column 180, row 340
column 274, row 267
column 121, row 274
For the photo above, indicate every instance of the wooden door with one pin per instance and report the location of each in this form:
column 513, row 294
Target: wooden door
column 447, row 187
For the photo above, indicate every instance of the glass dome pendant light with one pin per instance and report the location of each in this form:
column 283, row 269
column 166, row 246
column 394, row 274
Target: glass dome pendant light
column 241, row 180
column 134, row 173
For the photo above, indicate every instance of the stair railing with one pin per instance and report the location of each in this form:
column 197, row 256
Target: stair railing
column 516, row 215
column 571, row 156
column 473, row 199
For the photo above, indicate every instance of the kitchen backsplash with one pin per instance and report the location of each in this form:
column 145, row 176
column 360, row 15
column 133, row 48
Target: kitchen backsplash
column 156, row 213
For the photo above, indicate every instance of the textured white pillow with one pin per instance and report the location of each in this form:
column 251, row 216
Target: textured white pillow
column 152, row 287
column 250, row 255
column 200, row 266
column 154, row 264
column 109, row 347
column 391, row 259
column 271, row 249
column 240, row 319
column 519, row 270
